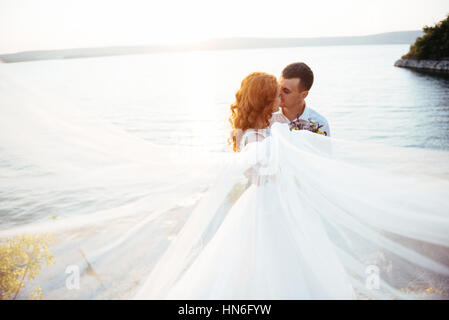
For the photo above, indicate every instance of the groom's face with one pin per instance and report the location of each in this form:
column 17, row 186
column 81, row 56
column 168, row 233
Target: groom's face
column 291, row 95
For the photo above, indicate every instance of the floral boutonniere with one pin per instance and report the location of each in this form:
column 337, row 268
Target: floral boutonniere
column 309, row 125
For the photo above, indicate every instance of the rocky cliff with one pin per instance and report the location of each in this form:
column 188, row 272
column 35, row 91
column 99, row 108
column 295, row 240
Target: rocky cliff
column 425, row 65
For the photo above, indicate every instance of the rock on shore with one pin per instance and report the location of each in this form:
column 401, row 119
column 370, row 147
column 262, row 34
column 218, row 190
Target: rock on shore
column 427, row 65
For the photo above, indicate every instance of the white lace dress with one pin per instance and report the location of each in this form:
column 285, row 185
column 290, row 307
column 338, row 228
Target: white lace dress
column 258, row 253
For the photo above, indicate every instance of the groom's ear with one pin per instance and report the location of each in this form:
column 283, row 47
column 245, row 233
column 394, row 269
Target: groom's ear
column 304, row 94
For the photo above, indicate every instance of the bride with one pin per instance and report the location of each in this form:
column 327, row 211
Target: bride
column 297, row 215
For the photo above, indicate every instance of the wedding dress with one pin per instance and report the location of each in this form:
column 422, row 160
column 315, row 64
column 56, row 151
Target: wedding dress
column 260, row 253
column 301, row 219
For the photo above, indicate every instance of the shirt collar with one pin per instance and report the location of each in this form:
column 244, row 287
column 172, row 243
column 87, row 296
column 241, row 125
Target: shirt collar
column 304, row 116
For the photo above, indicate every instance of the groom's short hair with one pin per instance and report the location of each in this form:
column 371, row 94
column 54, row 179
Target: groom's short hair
column 299, row 70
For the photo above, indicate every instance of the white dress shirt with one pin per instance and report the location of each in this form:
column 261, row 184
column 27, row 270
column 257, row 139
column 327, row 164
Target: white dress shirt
column 308, row 113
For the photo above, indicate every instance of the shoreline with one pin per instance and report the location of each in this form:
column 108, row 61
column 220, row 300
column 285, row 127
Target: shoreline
column 436, row 66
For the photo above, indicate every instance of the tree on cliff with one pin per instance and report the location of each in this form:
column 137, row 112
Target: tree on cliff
column 433, row 45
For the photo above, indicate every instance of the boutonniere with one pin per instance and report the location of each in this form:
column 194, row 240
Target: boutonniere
column 309, row 125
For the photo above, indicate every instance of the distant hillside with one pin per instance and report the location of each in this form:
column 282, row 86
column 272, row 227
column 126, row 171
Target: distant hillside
column 402, row 37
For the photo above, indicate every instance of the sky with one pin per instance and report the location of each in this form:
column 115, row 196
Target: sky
column 59, row 24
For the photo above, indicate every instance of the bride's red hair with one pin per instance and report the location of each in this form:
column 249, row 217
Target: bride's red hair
column 254, row 105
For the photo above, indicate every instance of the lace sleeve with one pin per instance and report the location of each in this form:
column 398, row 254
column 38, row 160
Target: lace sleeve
column 253, row 137
column 261, row 168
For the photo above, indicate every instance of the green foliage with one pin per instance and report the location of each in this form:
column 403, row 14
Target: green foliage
column 433, row 45
column 20, row 261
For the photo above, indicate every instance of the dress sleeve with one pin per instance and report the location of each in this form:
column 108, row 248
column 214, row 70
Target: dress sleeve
column 249, row 137
column 260, row 168
column 253, row 137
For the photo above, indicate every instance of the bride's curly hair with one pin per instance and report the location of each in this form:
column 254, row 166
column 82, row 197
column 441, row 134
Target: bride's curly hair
column 253, row 106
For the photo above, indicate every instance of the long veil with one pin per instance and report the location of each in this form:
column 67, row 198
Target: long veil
column 380, row 213
column 97, row 203
column 127, row 217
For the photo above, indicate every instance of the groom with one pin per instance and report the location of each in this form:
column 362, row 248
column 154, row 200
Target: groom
column 295, row 83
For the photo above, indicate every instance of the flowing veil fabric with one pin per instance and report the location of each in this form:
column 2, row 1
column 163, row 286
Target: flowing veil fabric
column 294, row 216
column 318, row 219
column 110, row 200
